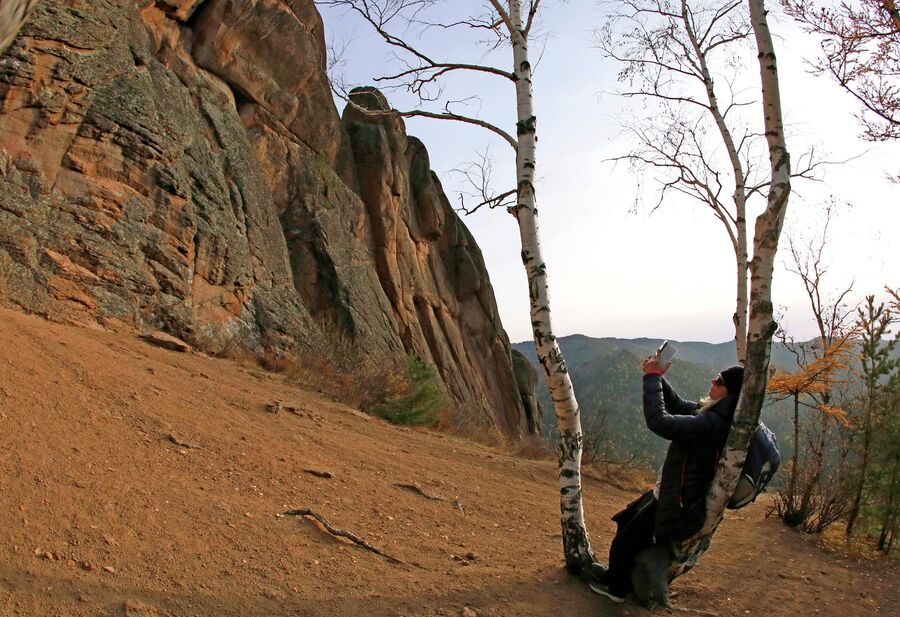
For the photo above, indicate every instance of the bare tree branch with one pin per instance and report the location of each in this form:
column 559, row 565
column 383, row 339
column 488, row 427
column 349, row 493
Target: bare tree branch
column 426, row 70
column 477, row 178
column 861, row 50
column 532, row 12
column 446, row 115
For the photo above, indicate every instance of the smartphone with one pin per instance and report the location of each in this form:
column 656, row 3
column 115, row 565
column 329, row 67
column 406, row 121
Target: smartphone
column 665, row 353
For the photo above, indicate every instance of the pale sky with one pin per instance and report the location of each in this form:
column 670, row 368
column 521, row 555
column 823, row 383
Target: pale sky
column 614, row 271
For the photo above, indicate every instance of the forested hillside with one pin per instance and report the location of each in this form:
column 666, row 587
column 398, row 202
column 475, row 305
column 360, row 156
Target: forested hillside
column 606, row 374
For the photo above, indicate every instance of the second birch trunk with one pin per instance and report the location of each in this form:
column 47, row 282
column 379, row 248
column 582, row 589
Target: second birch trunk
column 761, row 326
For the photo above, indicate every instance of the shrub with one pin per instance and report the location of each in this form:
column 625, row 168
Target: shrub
column 415, row 399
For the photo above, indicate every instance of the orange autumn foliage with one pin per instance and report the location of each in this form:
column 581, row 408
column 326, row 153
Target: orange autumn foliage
column 818, row 376
column 835, row 412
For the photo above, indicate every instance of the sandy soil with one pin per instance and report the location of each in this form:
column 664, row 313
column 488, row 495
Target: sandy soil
column 103, row 513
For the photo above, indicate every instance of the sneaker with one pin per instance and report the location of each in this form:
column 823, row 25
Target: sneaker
column 598, row 571
column 603, row 590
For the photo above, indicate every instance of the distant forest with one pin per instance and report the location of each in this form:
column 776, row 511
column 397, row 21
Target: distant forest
column 606, row 374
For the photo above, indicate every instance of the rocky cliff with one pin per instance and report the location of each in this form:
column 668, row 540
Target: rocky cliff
column 180, row 164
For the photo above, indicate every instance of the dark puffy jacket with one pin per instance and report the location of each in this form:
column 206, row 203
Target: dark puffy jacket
column 697, row 441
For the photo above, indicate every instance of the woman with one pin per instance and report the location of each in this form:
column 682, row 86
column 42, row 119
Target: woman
column 676, row 507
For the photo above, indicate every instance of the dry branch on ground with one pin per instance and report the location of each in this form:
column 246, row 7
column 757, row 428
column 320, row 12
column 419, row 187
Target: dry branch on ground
column 340, row 533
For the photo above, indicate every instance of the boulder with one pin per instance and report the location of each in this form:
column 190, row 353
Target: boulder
column 166, row 341
column 527, row 382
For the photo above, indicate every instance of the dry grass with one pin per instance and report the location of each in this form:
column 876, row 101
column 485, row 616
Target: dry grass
column 334, row 366
column 477, row 430
column 857, row 547
column 363, row 386
column 627, row 477
column 533, row 448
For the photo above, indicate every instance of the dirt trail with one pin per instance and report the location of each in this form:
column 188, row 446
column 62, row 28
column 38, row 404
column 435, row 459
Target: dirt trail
column 103, row 513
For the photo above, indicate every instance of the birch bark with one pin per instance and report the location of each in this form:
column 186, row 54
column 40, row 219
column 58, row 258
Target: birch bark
column 13, row 14
column 576, row 544
column 761, row 326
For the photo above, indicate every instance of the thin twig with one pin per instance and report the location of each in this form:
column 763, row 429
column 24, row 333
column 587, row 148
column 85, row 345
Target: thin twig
column 692, row 610
column 415, row 488
column 341, row 533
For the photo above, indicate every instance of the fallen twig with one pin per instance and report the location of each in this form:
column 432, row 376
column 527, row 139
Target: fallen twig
column 415, row 488
column 692, row 610
column 182, row 444
column 341, row 533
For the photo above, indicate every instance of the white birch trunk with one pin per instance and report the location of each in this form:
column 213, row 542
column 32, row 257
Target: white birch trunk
column 761, row 326
column 740, row 310
column 739, row 235
column 576, row 545
column 13, row 14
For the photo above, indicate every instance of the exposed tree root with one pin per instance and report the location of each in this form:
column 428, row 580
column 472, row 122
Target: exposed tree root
column 415, row 488
column 182, row 444
column 341, row 533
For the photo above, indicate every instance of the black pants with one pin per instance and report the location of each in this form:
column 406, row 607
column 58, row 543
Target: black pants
column 635, row 533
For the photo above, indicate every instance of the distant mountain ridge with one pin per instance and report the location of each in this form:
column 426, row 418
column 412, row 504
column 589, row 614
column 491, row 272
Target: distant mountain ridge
column 720, row 355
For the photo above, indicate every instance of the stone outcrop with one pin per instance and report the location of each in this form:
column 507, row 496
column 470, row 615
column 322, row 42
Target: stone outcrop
column 527, row 382
column 180, row 165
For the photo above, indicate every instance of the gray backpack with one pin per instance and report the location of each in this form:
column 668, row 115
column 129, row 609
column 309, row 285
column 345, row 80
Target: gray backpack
column 763, row 459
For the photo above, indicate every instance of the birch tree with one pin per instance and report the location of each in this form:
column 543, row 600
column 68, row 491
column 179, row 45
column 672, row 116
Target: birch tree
column 683, row 57
column 761, row 325
column 509, row 24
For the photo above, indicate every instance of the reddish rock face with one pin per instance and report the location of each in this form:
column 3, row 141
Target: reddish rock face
column 162, row 165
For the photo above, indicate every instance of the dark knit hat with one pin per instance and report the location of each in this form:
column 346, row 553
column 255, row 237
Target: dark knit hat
column 733, row 378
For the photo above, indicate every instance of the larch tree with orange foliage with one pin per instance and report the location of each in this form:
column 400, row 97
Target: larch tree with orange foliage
column 806, row 386
column 813, row 384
